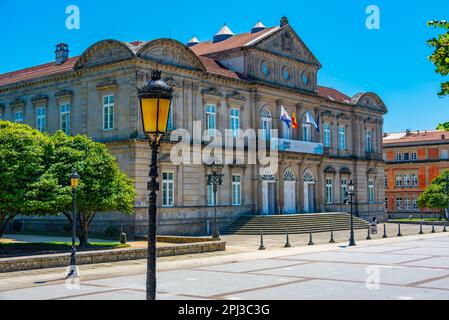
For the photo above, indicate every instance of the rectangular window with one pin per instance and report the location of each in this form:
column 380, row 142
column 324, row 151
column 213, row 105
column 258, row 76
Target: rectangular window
column 329, row 192
column 386, row 203
column 406, row 156
column 65, row 118
column 398, row 180
column 414, row 204
column 167, row 189
column 210, row 195
column 40, row 119
column 398, row 157
column 406, row 181
column 407, row 203
column 108, row 112
column 413, row 156
column 341, row 138
column 444, row 154
column 211, row 117
column 235, row 121
column 386, row 181
column 368, row 140
column 344, row 188
column 398, row 203
column 306, row 135
column 371, row 196
column 327, row 135
column 414, row 180
column 236, row 190
column 18, row 117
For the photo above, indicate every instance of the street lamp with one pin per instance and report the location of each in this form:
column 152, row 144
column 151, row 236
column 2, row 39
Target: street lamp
column 155, row 99
column 350, row 198
column 74, row 181
column 215, row 179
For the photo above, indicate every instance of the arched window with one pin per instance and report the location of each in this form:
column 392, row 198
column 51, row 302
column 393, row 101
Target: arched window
column 308, row 176
column 289, row 175
column 267, row 123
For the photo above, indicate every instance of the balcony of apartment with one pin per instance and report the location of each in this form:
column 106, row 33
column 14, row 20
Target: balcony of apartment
column 373, row 155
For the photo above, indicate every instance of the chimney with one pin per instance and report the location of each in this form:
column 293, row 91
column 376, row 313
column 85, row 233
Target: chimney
column 407, row 132
column 443, row 137
column 284, row 21
column 61, row 53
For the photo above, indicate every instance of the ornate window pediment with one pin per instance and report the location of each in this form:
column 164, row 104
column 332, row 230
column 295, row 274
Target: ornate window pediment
column 17, row 102
column 330, row 170
column 236, row 96
column 212, row 92
column 345, row 170
column 106, row 84
column 63, row 93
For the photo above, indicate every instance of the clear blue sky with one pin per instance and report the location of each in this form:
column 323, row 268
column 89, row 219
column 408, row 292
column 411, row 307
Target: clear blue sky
column 391, row 61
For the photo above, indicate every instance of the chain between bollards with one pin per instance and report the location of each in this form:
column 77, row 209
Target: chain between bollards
column 399, row 230
column 310, row 238
column 261, row 247
column 332, row 235
column 287, row 243
column 385, row 231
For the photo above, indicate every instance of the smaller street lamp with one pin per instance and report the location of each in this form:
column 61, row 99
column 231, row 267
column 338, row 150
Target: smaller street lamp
column 349, row 200
column 74, row 181
column 215, row 178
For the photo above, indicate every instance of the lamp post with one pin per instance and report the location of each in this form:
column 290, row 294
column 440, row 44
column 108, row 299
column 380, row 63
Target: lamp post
column 74, row 181
column 350, row 198
column 215, row 179
column 155, row 99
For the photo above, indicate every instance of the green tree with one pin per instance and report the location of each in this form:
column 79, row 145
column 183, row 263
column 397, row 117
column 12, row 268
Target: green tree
column 102, row 188
column 443, row 126
column 25, row 185
column 440, row 56
column 436, row 195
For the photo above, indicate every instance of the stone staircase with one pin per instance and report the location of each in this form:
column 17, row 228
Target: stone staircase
column 293, row 223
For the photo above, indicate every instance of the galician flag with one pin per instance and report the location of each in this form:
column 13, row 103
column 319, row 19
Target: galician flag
column 286, row 117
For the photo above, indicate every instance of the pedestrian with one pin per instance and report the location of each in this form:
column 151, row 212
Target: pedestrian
column 374, row 226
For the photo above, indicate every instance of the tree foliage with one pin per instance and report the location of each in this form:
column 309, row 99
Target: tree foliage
column 443, row 126
column 25, row 185
column 436, row 195
column 103, row 187
column 440, row 56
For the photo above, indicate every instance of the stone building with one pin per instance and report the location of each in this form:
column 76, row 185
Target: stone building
column 413, row 159
column 232, row 81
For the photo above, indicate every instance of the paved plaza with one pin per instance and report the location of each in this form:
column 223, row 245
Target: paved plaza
column 410, row 267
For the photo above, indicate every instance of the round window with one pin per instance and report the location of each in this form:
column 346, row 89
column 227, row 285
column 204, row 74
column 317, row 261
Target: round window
column 305, row 78
column 285, row 74
column 265, row 69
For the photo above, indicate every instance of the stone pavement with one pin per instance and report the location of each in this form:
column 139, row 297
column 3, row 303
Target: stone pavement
column 409, row 267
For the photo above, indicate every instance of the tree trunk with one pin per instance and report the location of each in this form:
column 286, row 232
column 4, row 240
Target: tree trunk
column 83, row 234
column 4, row 220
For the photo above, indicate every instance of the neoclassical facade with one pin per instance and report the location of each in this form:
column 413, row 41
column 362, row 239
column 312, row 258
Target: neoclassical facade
column 231, row 82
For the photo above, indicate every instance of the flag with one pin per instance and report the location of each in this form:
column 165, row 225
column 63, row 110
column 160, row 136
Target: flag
column 285, row 117
column 309, row 119
column 294, row 121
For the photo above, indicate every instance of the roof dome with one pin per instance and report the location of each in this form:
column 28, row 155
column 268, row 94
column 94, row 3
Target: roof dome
column 259, row 26
column 193, row 42
column 223, row 34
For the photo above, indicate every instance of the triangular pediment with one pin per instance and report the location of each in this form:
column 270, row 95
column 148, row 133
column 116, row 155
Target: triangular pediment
column 285, row 42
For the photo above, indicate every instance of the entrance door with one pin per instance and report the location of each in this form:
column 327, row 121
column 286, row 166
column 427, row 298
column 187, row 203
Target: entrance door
column 309, row 183
column 268, row 197
column 289, row 197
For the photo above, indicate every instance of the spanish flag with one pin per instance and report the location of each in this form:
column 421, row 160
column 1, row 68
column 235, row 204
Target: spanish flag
column 294, row 121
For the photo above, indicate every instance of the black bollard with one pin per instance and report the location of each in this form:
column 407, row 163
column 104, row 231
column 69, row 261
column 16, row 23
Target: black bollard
column 310, row 238
column 420, row 228
column 287, row 243
column 433, row 227
column 332, row 235
column 399, row 230
column 444, row 226
column 368, row 237
column 385, row 231
column 262, row 247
